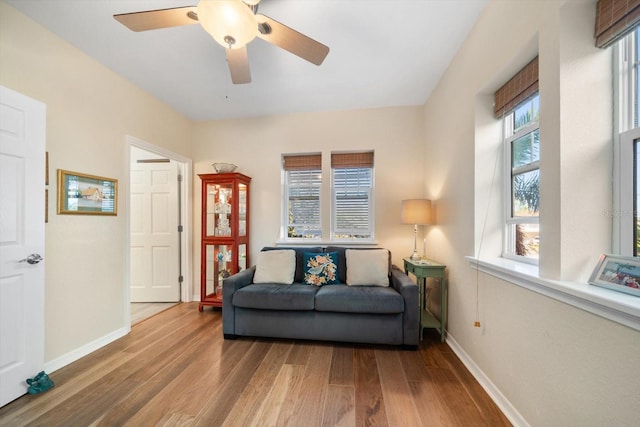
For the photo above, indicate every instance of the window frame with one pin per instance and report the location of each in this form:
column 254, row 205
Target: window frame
column 285, row 202
column 334, row 205
column 510, row 221
column 626, row 133
column 623, row 214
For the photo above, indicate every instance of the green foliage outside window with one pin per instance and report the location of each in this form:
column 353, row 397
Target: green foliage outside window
column 524, row 139
column 637, row 237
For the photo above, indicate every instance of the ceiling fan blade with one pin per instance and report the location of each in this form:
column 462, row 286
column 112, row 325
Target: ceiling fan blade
column 239, row 65
column 289, row 39
column 161, row 18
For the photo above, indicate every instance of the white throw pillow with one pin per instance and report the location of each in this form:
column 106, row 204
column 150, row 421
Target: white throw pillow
column 367, row 267
column 277, row 266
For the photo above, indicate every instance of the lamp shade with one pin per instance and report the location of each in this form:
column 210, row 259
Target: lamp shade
column 417, row 211
column 230, row 22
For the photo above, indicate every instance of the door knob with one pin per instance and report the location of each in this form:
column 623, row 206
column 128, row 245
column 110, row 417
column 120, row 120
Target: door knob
column 32, row 259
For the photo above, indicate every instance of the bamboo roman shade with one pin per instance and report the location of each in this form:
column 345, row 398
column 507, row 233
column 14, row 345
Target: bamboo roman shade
column 352, row 160
column 520, row 87
column 614, row 19
column 302, row 162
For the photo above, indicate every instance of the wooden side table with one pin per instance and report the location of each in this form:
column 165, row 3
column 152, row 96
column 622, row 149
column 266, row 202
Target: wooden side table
column 422, row 269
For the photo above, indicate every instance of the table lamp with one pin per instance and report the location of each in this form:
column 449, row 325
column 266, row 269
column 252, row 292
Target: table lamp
column 416, row 212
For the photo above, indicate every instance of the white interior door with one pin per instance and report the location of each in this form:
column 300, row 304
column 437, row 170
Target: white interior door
column 154, row 232
column 22, row 208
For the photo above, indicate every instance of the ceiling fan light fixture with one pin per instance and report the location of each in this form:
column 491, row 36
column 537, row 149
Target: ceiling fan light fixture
column 230, row 22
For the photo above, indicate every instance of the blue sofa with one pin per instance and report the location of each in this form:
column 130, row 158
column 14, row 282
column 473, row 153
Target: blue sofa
column 336, row 312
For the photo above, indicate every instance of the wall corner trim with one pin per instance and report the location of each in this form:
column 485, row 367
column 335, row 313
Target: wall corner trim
column 496, row 395
column 72, row 356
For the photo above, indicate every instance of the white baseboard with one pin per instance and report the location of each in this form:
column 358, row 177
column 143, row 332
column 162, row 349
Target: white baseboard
column 494, row 393
column 72, row 356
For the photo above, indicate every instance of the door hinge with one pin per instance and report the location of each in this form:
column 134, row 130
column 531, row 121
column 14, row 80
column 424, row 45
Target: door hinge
column 179, row 178
column 180, row 279
column 179, row 229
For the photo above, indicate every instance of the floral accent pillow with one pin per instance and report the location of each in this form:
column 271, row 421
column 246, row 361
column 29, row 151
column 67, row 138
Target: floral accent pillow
column 320, row 269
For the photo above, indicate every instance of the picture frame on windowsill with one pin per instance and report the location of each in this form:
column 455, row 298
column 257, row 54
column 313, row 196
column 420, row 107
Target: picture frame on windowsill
column 619, row 273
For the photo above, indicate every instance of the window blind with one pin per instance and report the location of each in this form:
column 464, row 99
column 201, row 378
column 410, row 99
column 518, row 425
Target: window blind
column 352, row 198
column 303, row 182
column 521, row 86
column 615, row 19
column 302, row 162
column 352, row 160
column 304, row 197
column 352, row 190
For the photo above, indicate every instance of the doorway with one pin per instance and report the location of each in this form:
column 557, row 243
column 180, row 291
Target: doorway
column 159, row 226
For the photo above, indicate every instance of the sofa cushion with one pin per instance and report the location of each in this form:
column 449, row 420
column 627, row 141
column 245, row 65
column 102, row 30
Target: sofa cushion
column 342, row 260
column 275, row 267
column 367, row 267
column 320, row 269
column 274, row 296
column 299, row 274
column 362, row 299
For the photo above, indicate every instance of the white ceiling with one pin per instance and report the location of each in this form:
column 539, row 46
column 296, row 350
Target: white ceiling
column 383, row 53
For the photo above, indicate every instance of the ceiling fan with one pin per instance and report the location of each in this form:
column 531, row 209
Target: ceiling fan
column 233, row 24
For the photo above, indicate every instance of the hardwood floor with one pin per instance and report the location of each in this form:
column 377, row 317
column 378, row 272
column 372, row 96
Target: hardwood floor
column 143, row 310
column 175, row 369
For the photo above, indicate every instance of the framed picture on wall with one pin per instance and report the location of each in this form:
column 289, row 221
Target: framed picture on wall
column 619, row 273
column 83, row 194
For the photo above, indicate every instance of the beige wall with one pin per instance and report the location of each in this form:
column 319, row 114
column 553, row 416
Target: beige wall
column 256, row 146
column 89, row 111
column 556, row 364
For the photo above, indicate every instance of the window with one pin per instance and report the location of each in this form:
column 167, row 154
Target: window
column 517, row 104
column 302, row 185
column 352, row 201
column 627, row 145
column 522, row 146
column 350, row 207
column 636, row 197
column 635, row 65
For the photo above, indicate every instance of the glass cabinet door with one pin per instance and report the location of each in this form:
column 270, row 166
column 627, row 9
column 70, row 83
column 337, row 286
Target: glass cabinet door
column 219, row 200
column 242, row 257
column 219, row 266
column 242, row 210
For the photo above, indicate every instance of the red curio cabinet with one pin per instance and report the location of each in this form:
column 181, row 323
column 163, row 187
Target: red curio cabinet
column 225, row 232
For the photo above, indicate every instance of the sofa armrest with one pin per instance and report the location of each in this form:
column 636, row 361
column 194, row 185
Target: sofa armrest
column 411, row 318
column 237, row 281
column 230, row 285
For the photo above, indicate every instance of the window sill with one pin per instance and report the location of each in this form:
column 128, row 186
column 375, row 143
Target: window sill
column 323, row 243
column 615, row 306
